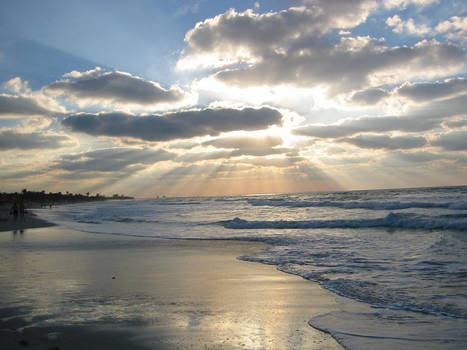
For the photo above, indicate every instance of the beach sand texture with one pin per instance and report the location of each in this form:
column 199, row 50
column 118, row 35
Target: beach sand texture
column 63, row 289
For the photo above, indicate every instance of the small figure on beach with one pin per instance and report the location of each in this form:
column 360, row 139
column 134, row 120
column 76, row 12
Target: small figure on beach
column 14, row 210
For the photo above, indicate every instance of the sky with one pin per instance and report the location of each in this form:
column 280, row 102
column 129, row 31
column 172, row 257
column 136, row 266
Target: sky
column 202, row 97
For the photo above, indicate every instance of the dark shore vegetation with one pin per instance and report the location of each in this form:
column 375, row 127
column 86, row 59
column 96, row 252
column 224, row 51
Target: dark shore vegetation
column 33, row 199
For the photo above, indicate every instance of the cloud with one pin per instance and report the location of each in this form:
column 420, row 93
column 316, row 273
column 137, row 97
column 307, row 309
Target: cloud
column 171, row 126
column 405, row 3
column 409, row 26
column 238, row 36
column 26, row 141
column 369, row 96
column 386, row 142
column 193, row 157
column 424, row 157
column 18, row 174
column 290, row 47
column 367, row 124
column 282, row 162
column 454, row 124
column 421, row 92
column 352, row 63
column 236, row 146
column 249, row 145
column 453, row 141
column 111, row 160
column 19, row 106
column 454, row 28
column 245, row 142
column 17, row 85
column 423, row 118
column 187, row 9
column 120, row 88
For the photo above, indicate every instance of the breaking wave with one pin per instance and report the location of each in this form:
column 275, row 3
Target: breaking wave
column 392, row 220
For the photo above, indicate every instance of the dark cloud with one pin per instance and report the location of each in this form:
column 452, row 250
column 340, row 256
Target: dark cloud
column 421, row 92
column 17, row 106
column 418, row 119
column 386, row 142
column 369, row 96
column 454, row 124
column 453, row 141
column 115, row 87
column 27, row 141
column 112, row 160
column 18, row 174
column 179, row 125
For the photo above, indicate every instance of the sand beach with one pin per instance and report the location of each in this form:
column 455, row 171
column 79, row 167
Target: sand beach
column 8, row 222
column 64, row 289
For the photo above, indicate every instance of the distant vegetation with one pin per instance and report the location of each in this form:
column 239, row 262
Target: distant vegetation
column 52, row 198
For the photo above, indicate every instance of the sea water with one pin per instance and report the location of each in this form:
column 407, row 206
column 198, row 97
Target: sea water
column 395, row 259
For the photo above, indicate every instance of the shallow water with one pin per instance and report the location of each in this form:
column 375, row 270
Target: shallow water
column 400, row 252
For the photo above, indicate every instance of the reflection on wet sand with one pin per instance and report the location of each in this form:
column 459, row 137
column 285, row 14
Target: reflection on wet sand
column 170, row 293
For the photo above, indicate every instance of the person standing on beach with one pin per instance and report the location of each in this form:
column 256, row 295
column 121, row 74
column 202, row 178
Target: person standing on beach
column 14, row 210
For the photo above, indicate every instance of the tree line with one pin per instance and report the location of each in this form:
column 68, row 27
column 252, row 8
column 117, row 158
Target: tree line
column 49, row 198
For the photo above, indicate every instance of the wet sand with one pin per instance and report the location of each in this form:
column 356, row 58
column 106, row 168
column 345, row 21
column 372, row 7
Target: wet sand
column 10, row 223
column 63, row 289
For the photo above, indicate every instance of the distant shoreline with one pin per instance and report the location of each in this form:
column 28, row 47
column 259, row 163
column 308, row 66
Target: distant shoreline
column 11, row 218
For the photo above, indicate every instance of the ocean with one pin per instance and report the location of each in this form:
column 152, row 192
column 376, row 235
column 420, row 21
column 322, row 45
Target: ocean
column 395, row 259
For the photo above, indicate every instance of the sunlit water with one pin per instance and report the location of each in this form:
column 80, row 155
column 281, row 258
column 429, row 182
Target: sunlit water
column 400, row 252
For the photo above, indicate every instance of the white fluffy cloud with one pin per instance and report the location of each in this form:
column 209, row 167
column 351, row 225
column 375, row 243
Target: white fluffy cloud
column 290, row 48
column 409, row 26
column 454, row 28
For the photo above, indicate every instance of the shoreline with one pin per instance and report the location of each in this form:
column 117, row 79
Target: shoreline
column 166, row 294
column 28, row 221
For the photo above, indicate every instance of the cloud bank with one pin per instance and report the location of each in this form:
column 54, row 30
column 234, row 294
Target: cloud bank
column 386, row 142
column 10, row 140
column 292, row 47
column 170, row 126
column 419, row 119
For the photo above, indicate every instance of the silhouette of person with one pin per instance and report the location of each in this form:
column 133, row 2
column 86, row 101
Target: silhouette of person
column 14, row 210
